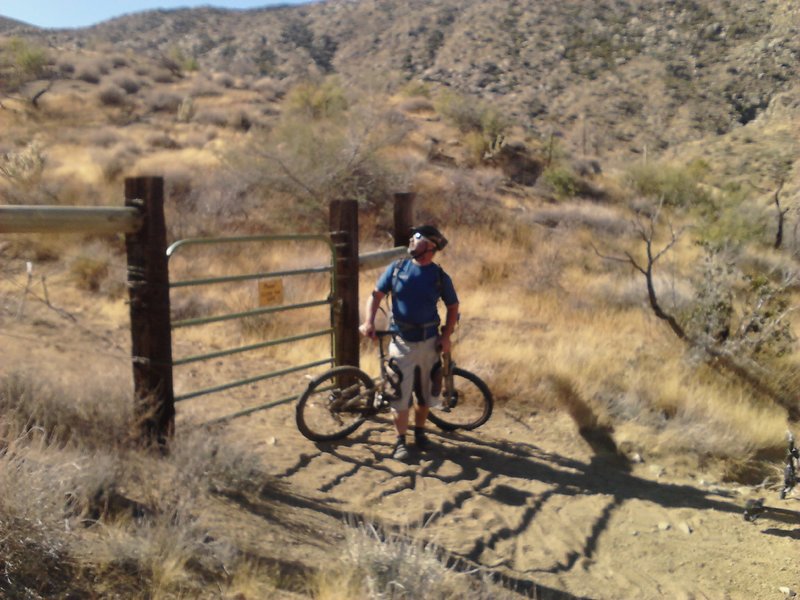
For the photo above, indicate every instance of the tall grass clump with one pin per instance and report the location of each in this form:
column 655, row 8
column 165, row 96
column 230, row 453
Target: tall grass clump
column 394, row 567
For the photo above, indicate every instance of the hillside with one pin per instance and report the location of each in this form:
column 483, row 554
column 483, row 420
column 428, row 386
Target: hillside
column 560, row 146
column 614, row 78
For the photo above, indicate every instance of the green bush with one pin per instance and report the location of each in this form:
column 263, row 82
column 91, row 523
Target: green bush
column 317, row 100
column 21, row 62
column 562, row 181
column 469, row 114
column 675, row 186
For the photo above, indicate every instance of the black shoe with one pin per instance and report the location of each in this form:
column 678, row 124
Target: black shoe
column 400, row 451
column 421, row 440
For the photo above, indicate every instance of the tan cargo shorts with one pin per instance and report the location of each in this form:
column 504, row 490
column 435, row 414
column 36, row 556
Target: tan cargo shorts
column 407, row 357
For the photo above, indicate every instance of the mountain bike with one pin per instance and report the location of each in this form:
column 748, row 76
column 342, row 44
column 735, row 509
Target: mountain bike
column 341, row 399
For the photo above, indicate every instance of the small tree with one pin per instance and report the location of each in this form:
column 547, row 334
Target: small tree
column 739, row 322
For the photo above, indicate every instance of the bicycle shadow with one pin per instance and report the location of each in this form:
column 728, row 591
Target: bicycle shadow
column 498, row 471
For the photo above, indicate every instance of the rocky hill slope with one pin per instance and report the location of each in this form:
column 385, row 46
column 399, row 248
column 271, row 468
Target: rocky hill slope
column 613, row 77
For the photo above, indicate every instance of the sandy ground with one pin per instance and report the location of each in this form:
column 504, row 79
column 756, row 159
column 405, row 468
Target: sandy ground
column 524, row 496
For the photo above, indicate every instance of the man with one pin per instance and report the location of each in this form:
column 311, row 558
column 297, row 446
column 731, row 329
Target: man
column 416, row 285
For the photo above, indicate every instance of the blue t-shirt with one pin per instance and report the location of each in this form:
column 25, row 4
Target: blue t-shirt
column 415, row 294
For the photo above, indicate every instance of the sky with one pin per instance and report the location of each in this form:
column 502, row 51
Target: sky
column 82, row 13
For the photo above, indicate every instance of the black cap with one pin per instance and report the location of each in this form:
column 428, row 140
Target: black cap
column 431, row 233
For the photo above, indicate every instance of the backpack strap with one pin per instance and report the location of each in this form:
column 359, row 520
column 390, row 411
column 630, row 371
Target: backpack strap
column 398, row 264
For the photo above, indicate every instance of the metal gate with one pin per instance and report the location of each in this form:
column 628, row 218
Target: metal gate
column 261, row 310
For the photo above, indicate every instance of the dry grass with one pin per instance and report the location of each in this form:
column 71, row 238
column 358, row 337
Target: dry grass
column 394, row 567
column 72, row 498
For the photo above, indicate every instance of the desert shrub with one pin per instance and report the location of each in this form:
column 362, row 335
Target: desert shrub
column 89, row 74
column 746, row 314
column 470, row 114
column 160, row 101
column 178, row 60
column 118, row 61
column 130, row 85
column 66, row 68
column 224, row 80
column 88, row 272
column 416, row 104
column 162, row 140
column 211, row 116
column 317, row 100
column 163, row 76
column 562, row 181
column 676, row 186
column 111, row 95
column 462, row 111
column 416, row 88
column 318, row 151
column 205, row 88
column 26, row 60
column 373, row 565
column 23, row 169
column 268, row 87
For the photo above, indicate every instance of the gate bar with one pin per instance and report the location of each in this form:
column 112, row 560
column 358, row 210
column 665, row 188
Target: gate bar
column 233, row 384
column 247, row 313
column 221, row 353
column 250, row 276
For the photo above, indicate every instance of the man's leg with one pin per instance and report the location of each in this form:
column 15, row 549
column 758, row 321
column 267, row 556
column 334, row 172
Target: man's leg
column 400, row 417
column 401, row 421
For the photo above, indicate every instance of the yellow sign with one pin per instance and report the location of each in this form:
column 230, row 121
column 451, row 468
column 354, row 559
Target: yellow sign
column 270, row 292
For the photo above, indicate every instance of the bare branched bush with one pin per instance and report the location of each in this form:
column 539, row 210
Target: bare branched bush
column 319, row 152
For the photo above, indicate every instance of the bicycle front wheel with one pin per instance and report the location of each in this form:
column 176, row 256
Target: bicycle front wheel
column 468, row 406
column 335, row 404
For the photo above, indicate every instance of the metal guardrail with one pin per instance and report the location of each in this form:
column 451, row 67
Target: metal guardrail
column 46, row 219
column 258, row 311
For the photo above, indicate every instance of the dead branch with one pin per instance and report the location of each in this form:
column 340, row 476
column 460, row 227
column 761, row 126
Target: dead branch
column 40, row 93
column 646, row 233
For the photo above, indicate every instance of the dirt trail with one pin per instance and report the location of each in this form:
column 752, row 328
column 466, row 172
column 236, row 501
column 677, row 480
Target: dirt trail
column 531, row 502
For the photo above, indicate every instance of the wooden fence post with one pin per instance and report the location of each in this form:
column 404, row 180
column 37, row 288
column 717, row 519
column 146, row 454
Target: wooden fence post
column 403, row 217
column 151, row 336
column 344, row 232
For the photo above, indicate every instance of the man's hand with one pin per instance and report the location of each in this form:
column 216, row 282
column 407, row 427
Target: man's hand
column 367, row 330
column 444, row 344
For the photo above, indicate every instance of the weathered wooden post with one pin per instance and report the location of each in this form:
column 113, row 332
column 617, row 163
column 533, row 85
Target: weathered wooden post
column 403, row 217
column 344, row 232
column 151, row 336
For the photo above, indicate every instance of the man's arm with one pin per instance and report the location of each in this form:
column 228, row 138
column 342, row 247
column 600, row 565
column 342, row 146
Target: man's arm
column 449, row 326
column 373, row 302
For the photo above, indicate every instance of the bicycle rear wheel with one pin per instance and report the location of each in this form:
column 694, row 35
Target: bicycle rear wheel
column 335, row 404
column 469, row 405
